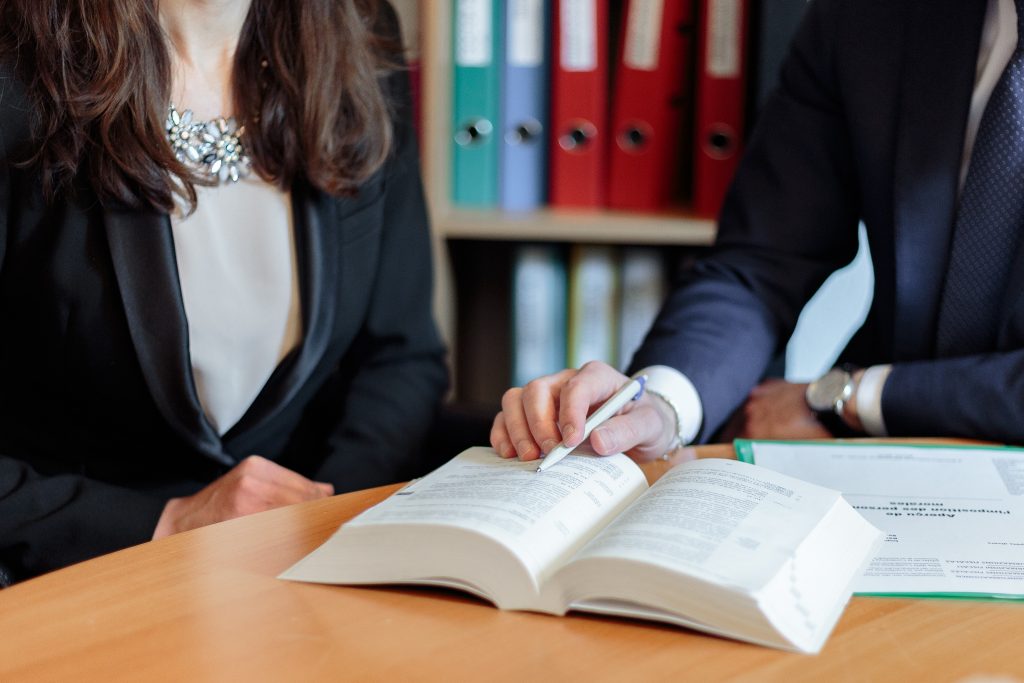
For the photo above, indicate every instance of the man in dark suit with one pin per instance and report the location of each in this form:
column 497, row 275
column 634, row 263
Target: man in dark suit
column 905, row 115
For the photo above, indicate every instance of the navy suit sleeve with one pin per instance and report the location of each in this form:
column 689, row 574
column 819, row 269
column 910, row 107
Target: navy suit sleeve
column 399, row 374
column 979, row 397
column 789, row 220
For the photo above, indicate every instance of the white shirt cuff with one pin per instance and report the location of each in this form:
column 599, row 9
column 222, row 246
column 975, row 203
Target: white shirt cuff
column 679, row 392
column 869, row 399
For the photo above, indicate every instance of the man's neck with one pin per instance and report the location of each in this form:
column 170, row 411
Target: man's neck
column 203, row 36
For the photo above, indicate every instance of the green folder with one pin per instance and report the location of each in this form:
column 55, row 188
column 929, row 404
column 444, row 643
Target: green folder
column 477, row 43
column 745, row 452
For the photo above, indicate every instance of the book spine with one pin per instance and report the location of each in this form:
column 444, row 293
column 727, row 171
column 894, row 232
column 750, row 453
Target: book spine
column 539, row 293
column 593, row 297
column 643, row 291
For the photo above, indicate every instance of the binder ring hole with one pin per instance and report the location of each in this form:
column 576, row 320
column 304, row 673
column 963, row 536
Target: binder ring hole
column 476, row 131
column 527, row 131
column 578, row 137
column 720, row 142
column 635, row 137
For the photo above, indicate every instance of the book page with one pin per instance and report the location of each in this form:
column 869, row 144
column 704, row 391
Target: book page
column 953, row 517
column 721, row 520
column 542, row 517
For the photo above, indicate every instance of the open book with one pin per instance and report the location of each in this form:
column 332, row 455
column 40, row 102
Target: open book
column 716, row 545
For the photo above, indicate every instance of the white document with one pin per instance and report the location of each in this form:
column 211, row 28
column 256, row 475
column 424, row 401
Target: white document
column 953, row 517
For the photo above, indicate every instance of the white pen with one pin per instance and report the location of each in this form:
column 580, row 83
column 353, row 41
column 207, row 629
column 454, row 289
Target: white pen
column 631, row 391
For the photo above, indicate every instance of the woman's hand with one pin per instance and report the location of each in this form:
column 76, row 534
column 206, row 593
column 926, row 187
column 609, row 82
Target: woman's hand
column 551, row 409
column 253, row 485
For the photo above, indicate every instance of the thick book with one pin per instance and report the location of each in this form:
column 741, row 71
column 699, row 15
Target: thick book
column 715, row 545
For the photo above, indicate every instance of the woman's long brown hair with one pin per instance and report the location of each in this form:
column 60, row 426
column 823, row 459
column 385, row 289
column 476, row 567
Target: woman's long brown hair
column 307, row 86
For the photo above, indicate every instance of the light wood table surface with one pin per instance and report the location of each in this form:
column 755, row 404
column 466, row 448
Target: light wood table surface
column 204, row 605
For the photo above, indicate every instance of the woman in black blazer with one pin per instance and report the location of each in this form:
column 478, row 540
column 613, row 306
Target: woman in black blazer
column 177, row 296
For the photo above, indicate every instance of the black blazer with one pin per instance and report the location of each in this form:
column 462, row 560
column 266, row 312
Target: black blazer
column 868, row 125
column 99, row 418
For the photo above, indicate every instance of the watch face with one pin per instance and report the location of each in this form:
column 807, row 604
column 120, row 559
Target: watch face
column 823, row 393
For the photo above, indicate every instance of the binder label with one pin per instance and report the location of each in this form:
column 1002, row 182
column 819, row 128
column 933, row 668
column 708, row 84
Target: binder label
column 643, row 34
column 525, row 32
column 473, row 33
column 578, row 28
column 723, row 46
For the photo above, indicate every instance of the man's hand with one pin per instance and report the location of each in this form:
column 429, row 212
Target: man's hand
column 253, row 485
column 777, row 410
column 536, row 418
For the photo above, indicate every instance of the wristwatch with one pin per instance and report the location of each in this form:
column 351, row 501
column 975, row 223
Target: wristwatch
column 830, row 392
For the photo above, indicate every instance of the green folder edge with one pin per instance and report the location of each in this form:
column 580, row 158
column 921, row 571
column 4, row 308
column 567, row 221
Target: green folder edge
column 745, row 453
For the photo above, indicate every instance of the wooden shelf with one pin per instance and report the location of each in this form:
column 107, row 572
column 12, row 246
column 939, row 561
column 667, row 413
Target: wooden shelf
column 569, row 226
column 450, row 222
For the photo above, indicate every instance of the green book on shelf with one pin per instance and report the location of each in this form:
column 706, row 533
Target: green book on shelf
column 953, row 516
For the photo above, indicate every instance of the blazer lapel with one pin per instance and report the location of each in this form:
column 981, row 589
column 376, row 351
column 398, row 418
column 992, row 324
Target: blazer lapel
column 318, row 255
column 938, row 80
column 142, row 250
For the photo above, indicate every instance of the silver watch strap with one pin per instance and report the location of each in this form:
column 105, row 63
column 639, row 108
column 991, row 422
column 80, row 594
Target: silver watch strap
column 679, row 439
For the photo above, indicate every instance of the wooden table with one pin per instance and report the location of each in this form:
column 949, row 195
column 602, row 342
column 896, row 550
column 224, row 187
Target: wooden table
column 205, row 605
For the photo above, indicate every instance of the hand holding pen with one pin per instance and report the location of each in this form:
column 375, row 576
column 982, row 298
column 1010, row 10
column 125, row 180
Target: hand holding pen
column 554, row 408
column 631, row 391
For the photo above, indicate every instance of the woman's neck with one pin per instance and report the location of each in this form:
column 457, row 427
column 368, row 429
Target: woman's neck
column 202, row 36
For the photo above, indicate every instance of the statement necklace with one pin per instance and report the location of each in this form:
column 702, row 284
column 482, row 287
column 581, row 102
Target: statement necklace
column 211, row 148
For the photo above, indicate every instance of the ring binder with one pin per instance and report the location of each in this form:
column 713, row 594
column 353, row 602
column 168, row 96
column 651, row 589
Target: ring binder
column 579, row 101
column 651, row 104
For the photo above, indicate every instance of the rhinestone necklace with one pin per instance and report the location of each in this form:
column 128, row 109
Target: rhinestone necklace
column 211, row 148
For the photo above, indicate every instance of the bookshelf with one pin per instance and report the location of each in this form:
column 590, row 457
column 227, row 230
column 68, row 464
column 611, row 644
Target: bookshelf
column 495, row 229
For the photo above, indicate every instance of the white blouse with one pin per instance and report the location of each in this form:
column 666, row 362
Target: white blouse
column 239, row 283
